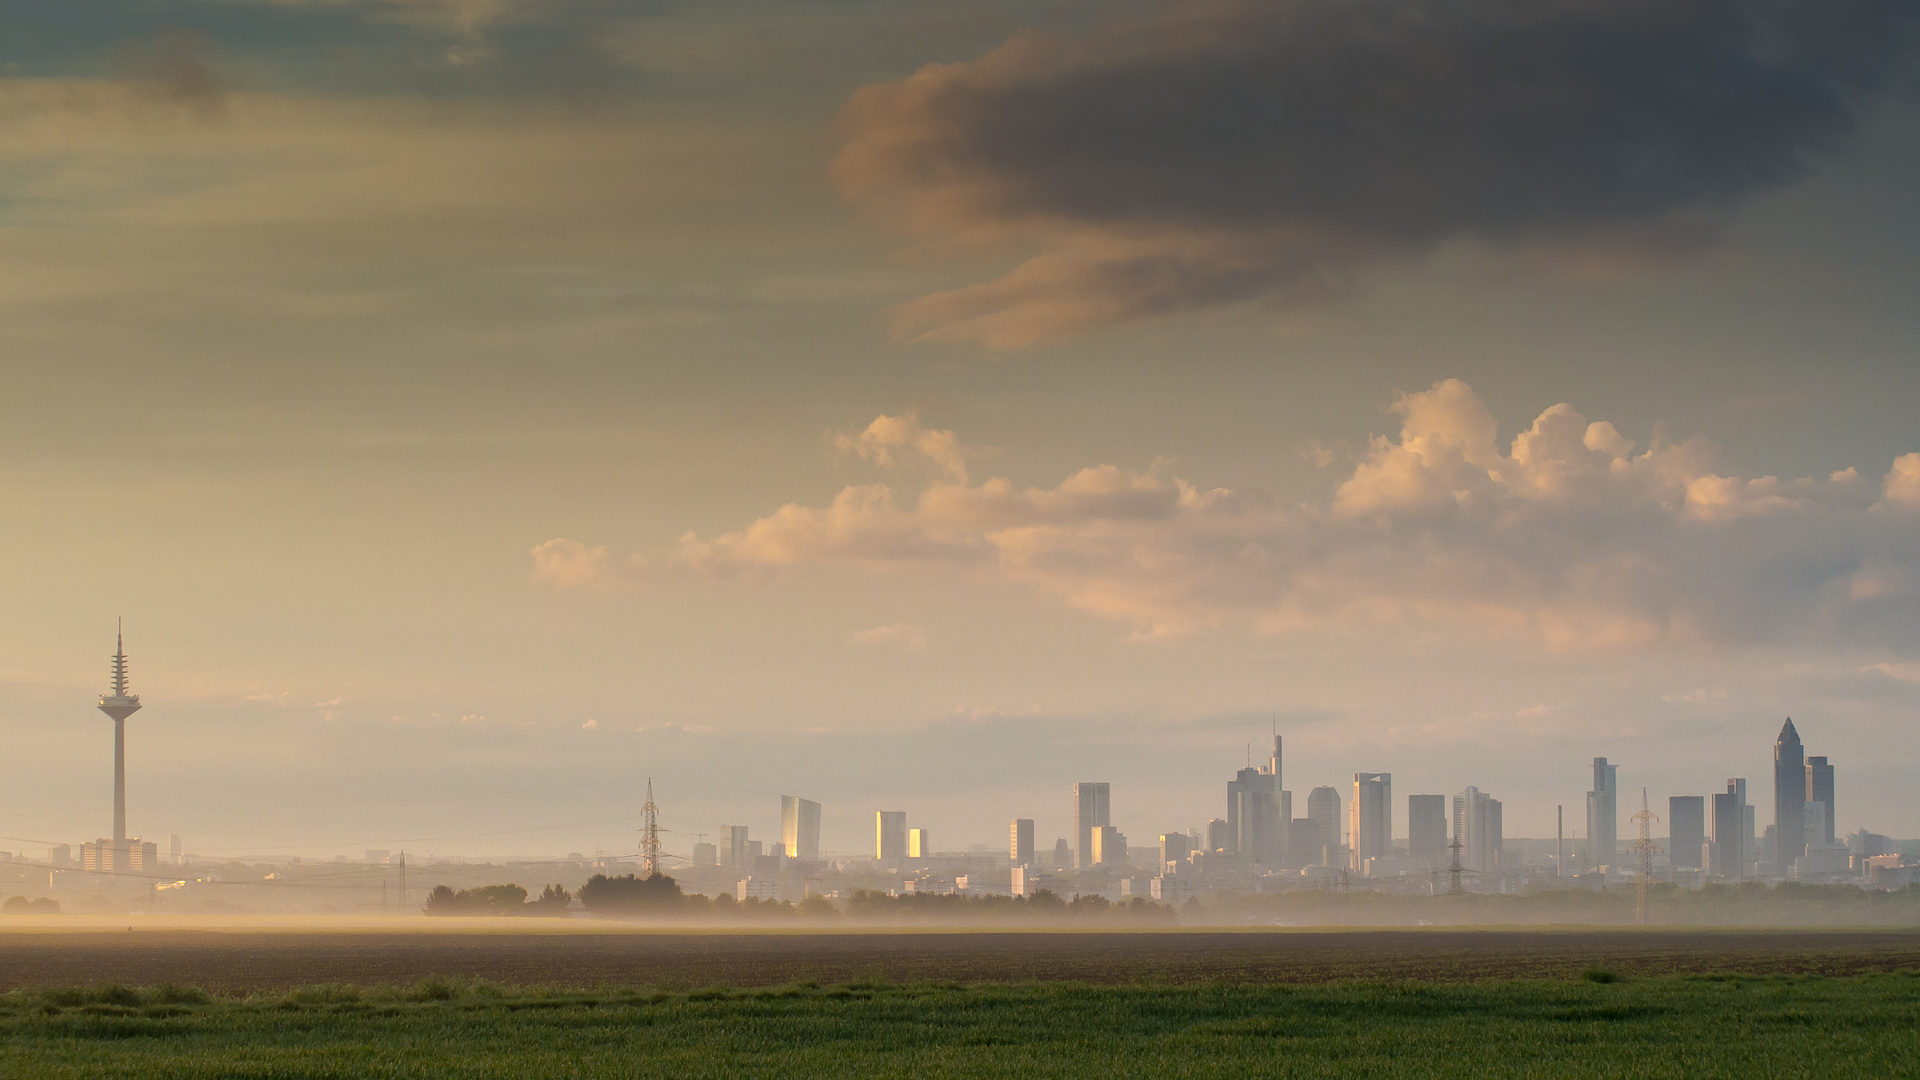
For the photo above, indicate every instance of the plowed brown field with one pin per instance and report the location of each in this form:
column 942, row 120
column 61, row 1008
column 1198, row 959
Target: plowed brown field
column 245, row 960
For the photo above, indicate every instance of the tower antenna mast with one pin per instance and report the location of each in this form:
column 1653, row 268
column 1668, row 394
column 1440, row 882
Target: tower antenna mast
column 650, row 836
column 119, row 705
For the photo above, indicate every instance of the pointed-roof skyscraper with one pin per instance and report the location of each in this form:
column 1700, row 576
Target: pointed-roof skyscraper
column 119, row 705
column 1789, row 798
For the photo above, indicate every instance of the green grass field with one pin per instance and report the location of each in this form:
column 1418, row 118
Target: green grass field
column 1670, row 1026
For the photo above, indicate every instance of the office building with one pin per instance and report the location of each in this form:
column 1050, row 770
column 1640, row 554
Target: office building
column 1603, row 817
column 1820, row 790
column 1254, row 814
column 918, row 844
column 1062, row 853
column 1686, row 831
column 1370, row 818
column 705, row 854
column 1427, row 829
column 1323, row 809
column 1020, row 841
column 1477, row 825
column 1092, row 808
column 1019, row 879
column 174, row 848
column 734, row 854
column 1303, row 839
column 61, row 855
column 800, row 827
column 890, row 836
column 1731, row 827
column 1109, row 847
column 1219, row 835
column 1174, row 847
column 1789, row 795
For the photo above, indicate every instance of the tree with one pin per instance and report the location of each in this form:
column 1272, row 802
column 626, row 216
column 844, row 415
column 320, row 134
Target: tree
column 655, row 894
column 485, row 900
column 442, row 901
column 552, row 901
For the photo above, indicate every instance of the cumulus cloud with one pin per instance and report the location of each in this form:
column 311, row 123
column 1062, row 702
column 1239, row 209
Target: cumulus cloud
column 1569, row 534
column 571, row 564
column 1225, row 150
column 890, row 434
column 903, row 636
column 1903, row 483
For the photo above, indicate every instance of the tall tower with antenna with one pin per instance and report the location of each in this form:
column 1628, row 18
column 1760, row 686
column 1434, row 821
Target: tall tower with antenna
column 119, row 705
column 650, row 836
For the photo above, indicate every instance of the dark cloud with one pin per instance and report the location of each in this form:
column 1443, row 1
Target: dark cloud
column 172, row 66
column 1223, row 150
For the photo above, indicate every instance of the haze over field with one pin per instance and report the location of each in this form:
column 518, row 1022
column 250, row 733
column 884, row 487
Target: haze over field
column 477, row 406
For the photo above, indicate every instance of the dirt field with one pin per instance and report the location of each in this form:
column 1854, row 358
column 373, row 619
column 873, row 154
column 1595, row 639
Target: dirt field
column 242, row 960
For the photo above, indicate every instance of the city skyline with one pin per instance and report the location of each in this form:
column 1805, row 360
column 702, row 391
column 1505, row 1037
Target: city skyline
column 1259, row 824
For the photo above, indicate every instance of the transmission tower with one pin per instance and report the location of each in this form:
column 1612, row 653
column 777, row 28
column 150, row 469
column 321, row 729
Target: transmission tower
column 650, row 836
column 1646, row 847
column 1453, row 872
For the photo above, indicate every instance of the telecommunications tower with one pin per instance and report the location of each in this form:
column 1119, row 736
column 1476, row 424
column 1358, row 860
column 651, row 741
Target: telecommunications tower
column 120, row 705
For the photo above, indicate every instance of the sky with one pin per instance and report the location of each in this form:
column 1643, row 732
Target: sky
column 477, row 407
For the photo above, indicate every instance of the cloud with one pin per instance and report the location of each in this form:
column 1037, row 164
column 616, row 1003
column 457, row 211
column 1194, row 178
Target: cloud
column 1903, row 483
column 171, row 67
column 890, row 433
column 1217, row 151
column 570, row 564
column 1569, row 535
column 900, row 635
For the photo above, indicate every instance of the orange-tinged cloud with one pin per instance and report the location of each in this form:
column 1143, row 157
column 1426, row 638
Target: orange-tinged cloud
column 1564, row 536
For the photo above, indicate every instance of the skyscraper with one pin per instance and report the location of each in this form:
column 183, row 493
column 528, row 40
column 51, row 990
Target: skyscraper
column 890, row 835
column 733, row 848
column 1603, row 816
column 1371, row 818
column 1427, row 829
column 1091, row 809
column 1789, row 795
column 1820, row 790
column 1174, row 847
column 1731, row 827
column 119, row 705
column 1020, row 841
column 1323, row 809
column 800, row 827
column 1253, row 815
column 1686, row 830
column 1477, row 825
column 919, row 844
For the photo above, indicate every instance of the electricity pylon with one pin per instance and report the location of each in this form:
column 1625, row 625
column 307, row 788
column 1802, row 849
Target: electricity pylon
column 650, row 836
column 1646, row 847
